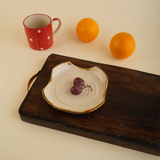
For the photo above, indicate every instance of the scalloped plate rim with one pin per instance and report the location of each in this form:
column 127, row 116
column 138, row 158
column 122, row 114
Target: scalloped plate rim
column 71, row 111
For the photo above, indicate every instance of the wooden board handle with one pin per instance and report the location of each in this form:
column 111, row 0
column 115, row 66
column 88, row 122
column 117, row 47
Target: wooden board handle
column 31, row 80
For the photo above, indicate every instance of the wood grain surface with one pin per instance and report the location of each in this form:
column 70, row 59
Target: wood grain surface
column 130, row 116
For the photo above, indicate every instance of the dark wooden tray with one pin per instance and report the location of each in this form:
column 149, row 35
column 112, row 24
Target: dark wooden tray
column 130, row 116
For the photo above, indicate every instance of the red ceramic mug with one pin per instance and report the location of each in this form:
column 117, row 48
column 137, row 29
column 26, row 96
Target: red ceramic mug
column 39, row 32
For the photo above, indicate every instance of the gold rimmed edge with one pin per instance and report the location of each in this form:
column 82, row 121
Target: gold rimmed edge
column 74, row 112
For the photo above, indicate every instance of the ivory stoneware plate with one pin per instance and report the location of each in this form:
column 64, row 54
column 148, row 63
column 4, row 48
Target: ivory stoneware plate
column 57, row 92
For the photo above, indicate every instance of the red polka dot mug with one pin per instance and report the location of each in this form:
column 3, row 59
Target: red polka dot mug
column 39, row 32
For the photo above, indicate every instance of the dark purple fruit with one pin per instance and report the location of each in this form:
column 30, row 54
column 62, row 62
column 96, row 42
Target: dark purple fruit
column 76, row 90
column 78, row 81
column 79, row 85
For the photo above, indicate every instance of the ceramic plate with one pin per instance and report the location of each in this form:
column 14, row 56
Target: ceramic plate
column 57, row 92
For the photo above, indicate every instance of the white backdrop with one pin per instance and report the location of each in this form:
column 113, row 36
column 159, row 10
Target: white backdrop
column 20, row 140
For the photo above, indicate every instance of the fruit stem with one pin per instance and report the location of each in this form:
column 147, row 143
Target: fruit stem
column 85, row 86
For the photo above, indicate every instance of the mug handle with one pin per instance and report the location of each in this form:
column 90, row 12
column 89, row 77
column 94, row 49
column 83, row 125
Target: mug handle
column 59, row 25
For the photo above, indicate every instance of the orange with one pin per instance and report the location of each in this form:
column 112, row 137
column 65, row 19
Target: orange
column 87, row 29
column 122, row 45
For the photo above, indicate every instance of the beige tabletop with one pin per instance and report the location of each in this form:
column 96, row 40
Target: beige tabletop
column 23, row 141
